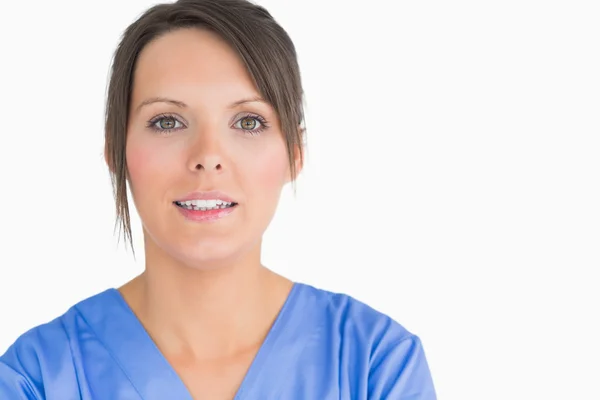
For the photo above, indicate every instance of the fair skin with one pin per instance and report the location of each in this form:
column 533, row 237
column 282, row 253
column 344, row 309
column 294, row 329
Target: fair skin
column 204, row 297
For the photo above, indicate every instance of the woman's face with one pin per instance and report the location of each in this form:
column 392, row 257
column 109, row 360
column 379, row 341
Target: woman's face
column 197, row 124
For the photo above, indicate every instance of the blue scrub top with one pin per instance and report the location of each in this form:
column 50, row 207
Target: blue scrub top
column 322, row 346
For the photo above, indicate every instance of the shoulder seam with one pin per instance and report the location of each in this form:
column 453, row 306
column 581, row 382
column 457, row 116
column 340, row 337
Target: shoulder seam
column 394, row 344
column 112, row 356
column 30, row 387
column 62, row 323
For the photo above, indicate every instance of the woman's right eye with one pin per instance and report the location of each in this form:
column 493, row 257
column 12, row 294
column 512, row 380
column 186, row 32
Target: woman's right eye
column 165, row 123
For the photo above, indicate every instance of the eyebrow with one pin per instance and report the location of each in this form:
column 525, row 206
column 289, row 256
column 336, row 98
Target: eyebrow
column 152, row 100
column 181, row 104
column 255, row 99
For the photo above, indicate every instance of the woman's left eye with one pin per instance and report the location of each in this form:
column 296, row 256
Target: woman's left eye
column 252, row 124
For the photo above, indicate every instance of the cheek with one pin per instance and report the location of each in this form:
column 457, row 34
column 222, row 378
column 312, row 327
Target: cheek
column 148, row 165
column 269, row 171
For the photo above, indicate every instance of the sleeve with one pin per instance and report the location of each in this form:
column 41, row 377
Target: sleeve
column 399, row 371
column 13, row 385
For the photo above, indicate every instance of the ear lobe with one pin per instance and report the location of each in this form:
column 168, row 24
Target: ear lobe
column 300, row 153
column 298, row 164
column 299, row 156
column 107, row 160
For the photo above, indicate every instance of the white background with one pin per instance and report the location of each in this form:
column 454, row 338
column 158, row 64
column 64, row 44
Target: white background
column 453, row 177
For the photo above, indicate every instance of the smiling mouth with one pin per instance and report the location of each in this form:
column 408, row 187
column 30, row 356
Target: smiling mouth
column 204, row 205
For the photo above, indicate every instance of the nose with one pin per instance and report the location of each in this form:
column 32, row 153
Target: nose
column 206, row 152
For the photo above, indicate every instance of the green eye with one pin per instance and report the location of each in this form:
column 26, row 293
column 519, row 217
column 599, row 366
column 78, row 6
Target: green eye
column 249, row 123
column 167, row 123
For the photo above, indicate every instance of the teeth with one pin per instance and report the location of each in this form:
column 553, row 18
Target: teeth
column 204, row 205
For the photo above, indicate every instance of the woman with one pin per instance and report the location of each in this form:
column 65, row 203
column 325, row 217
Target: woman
column 204, row 123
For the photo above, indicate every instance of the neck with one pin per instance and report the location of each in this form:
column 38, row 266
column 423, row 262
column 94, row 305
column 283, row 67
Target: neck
column 207, row 313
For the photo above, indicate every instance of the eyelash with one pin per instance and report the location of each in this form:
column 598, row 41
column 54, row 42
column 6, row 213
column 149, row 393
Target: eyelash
column 252, row 132
column 153, row 121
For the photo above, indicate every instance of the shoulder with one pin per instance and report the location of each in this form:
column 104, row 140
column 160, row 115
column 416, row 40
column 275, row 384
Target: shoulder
column 25, row 362
column 392, row 357
column 356, row 318
column 42, row 356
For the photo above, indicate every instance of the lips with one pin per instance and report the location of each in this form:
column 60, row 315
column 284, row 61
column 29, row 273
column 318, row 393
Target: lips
column 205, row 210
column 210, row 195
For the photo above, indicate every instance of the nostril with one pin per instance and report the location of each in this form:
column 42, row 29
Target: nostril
column 217, row 167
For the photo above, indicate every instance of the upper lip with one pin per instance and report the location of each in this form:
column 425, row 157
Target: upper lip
column 212, row 195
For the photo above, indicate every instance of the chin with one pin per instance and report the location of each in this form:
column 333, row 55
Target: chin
column 207, row 253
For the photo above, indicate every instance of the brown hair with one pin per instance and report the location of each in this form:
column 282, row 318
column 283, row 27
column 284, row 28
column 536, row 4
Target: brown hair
column 262, row 44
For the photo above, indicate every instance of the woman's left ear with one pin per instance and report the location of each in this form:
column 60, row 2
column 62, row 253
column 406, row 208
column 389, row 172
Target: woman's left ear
column 299, row 157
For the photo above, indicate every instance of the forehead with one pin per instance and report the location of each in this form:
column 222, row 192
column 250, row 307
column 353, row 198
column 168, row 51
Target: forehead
column 191, row 63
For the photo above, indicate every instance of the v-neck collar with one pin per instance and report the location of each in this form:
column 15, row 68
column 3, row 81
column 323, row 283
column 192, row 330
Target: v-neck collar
column 125, row 338
column 281, row 348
